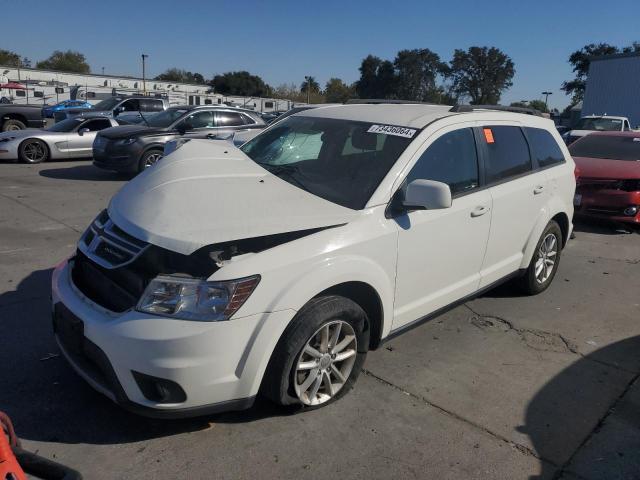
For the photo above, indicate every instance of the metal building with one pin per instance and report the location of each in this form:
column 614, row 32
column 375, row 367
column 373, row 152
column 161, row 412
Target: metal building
column 613, row 87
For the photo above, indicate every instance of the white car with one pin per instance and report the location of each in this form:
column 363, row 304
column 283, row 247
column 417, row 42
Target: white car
column 221, row 273
column 596, row 123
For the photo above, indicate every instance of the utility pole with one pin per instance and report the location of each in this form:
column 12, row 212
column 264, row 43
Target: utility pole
column 308, row 88
column 102, row 70
column 144, row 81
column 546, row 98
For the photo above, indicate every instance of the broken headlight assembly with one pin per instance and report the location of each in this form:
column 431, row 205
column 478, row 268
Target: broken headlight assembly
column 194, row 299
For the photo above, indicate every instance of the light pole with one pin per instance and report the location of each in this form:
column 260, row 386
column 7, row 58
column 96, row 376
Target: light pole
column 308, row 80
column 102, row 70
column 144, row 81
column 546, row 98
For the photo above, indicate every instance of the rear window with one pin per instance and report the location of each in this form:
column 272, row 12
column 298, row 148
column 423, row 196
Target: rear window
column 507, row 152
column 544, row 147
column 611, row 147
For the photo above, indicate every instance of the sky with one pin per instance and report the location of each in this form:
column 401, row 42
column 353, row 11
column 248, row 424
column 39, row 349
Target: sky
column 282, row 41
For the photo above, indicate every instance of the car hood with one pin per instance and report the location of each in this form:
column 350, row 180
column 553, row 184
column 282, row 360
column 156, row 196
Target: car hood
column 607, row 169
column 19, row 134
column 128, row 131
column 210, row 192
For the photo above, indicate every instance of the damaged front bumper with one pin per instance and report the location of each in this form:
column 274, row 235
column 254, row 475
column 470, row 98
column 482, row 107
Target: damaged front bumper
column 163, row 367
column 609, row 204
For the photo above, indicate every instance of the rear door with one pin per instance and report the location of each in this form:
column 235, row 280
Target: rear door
column 519, row 193
column 228, row 123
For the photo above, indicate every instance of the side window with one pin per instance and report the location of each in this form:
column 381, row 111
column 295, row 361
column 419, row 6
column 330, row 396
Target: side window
column 96, row 125
column 247, row 119
column 451, row 159
column 544, row 147
column 150, row 105
column 202, row 119
column 228, row 119
column 131, row 106
column 507, row 152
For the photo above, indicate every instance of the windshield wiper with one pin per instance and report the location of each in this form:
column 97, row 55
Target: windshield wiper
column 288, row 170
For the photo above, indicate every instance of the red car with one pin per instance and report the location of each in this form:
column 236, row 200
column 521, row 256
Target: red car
column 608, row 176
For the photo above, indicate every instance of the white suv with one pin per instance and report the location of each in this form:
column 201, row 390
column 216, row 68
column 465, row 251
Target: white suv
column 221, row 273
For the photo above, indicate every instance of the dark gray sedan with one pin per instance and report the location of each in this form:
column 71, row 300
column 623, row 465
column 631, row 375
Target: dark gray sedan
column 132, row 148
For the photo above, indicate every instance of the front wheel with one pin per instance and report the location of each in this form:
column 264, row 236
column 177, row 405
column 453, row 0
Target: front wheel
column 13, row 125
column 33, row 151
column 320, row 355
column 545, row 261
column 149, row 158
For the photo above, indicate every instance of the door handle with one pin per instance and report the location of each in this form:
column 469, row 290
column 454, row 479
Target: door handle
column 479, row 211
column 212, row 136
column 538, row 190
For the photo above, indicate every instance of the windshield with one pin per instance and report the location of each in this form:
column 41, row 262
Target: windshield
column 107, row 104
column 164, row 119
column 66, row 125
column 601, row 124
column 338, row 160
column 614, row 147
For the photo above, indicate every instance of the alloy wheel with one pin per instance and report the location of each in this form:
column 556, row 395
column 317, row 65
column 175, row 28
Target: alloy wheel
column 152, row 159
column 325, row 363
column 35, row 152
column 546, row 258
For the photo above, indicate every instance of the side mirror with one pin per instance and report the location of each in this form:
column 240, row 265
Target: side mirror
column 82, row 131
column 426, row 195
column 184, row 127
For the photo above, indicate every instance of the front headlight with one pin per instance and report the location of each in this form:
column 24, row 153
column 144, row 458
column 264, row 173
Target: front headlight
column 127, row 141
column 193, row 299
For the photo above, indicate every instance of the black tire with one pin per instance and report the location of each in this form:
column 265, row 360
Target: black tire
column 277, row 384
column 530, row 283
column 33, row 151
column 13, row 125
column 147, row 157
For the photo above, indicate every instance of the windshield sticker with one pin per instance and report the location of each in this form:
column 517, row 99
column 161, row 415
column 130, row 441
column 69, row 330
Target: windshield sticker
column 488, row 135
column 391, row 130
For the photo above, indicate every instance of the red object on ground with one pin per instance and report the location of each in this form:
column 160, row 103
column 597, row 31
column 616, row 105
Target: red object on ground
column 9, row 467
column 606, row 187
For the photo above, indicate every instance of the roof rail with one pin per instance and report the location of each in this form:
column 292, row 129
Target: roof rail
column 503, row 108
column 376, row 101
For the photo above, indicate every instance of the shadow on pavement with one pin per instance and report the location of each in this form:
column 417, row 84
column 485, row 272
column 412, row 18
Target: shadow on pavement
column 563, row 411
column 48, row 402
column 603, row 227
column 83, row 172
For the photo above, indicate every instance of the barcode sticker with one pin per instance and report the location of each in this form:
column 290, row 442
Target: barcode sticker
column 391, row 130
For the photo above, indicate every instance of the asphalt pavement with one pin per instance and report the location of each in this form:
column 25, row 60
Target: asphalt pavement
column 503, row 387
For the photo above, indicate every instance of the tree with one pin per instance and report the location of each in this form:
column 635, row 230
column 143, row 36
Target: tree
column 581, row 60
column 68, row 61
column 178, row 75
column 415, row 74
column 377, row 78
column 12, row 59
column 539, row 105
column 481, row 73
column 240, row 83
column 313, row 85
column 336, row 91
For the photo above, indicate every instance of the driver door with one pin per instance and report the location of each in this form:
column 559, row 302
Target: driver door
column 80, row 141
column 440, row 252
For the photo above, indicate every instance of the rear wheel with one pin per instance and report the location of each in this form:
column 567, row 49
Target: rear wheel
column 12, row 125
column 320, row 355
column 33, row 150
column 149, row 158
column 545, row 260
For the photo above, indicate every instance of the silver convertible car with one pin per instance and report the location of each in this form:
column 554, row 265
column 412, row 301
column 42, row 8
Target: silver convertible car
column 70, row 138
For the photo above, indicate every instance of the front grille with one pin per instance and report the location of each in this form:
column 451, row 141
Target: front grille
column 593, row 184
column 108, row 245
column 605, row 210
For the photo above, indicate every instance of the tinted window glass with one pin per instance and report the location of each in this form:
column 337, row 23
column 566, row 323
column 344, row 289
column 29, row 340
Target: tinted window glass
column 131, row 106
column 151, row 105
column 544, row 147
column 618, row 147
column 229, row 119
column 248, row 120
column 507, row 152
column 451, row 159
column 201, row 120
column 96, row 125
